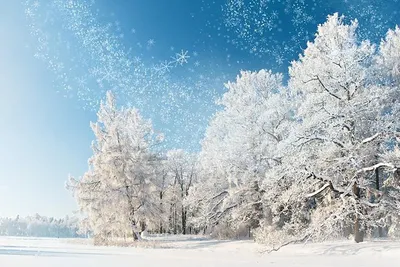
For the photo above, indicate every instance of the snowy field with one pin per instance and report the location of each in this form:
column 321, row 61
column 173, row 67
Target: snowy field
column 193, row 252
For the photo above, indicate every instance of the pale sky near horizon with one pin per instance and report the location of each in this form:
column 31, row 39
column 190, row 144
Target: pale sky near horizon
column 43, row 137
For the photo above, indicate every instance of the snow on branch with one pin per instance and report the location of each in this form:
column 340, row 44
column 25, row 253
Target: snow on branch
column 320, row 138
column 316, row 78
column 319, row 190
column 370, row 139
column 220, row 194
column 376, row 166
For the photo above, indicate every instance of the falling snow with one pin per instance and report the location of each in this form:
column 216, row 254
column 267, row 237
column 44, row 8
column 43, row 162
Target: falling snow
column 87, row 53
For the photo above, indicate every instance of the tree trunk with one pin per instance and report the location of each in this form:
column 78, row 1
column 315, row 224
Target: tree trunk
column 134, row 236
column 142, row 226
column 377, row 186
column 161, row 229
column 171, row 219
column 268, row 216
column 175, row 224
column 358, row 234
column 377, row 178
column 161, row 209
column 133, row 222
column 183, row 221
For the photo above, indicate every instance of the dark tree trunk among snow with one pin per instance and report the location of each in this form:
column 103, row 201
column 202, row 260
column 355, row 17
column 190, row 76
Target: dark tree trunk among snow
column 204, row 230
column 161, row 223
column 142, row 226
column 175, row 224
column 377, row 187
column 258, row 208
column 183, row 221
column 358, row 233
column 268, row 216
column 133, row 222
column 134, row 236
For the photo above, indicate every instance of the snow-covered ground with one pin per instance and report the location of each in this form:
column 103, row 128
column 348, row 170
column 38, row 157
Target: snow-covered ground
column 193, row 252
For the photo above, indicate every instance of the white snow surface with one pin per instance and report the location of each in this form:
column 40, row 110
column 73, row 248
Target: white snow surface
column 193, row 251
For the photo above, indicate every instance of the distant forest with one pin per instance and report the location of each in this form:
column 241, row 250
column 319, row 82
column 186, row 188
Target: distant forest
column 40, row 226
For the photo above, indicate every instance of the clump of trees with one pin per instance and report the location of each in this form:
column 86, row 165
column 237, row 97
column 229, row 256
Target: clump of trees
column 130, row 185
column 40, row 226
column 312, row 158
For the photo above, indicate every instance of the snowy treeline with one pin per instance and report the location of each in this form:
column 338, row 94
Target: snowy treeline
column 40, row 226
column 310, row 158
column 130, row 186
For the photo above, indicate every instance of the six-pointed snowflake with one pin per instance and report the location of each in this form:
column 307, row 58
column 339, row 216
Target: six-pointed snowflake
column 182, row 57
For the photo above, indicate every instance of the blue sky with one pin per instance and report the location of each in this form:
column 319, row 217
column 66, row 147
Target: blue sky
column 45, row 136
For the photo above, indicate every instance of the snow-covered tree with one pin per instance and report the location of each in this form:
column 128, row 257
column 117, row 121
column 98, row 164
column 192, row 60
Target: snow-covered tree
column 315, row 159
column 389, row 57
column 40, row 226
column 118, row 193
column 181, row 175
column 241, row 142
column 388, row 74
column 328, row 174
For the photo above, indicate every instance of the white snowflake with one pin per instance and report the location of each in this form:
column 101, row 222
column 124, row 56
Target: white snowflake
column 279, row 59
column 182, row 57
column 81, row 82
column 106, row 75
column 151, row 43
column 36, row 4
column 28, row 12
column 164, row 66
column 274, row 14
column 70, row 4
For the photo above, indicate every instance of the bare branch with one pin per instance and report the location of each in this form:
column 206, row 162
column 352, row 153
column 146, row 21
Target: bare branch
column 220, row 194
column 305, row 237
column 323, row 86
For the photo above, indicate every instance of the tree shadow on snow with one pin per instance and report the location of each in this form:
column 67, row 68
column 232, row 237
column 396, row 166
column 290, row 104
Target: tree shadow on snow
column 354, row 249
column 204, row 244
column 177, row 240
column 210, row 244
